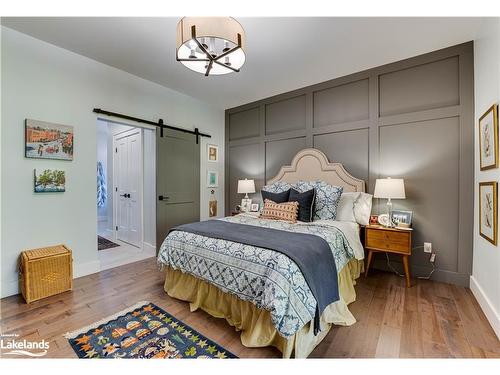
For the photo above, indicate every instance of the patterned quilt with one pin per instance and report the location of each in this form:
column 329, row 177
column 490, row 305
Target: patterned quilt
column 267, row 278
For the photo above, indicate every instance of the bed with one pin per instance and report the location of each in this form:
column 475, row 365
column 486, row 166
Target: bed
column 261, row 292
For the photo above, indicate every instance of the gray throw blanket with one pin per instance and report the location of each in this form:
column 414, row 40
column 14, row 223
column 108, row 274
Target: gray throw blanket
column 311, row 253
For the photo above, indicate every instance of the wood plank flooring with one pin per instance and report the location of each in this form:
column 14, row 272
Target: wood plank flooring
column 428, row 320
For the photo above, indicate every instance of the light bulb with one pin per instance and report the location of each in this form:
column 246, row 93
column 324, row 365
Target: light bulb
column 226, row 61
column 211, row 51
column 226, row 46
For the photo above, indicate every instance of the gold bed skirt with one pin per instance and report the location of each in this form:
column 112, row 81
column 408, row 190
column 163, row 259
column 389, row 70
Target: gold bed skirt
column 255, row 324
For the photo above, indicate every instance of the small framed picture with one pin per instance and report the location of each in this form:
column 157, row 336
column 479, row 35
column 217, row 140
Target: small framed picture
column 488, row 227
column 488, row 139
column 212, row 153
column 49, row 181
column 212, row 179
column 373, row 219
column 246, row 204
column 254, row 207
column 401, row 218
column 212, row 208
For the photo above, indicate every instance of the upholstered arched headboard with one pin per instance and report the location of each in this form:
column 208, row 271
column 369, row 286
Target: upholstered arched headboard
column 312, row 164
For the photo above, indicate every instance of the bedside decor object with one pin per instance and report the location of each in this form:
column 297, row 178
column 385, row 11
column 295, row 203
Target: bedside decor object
column 212, row 153
column 373, row 219
column 44, row 140
column 383, row 219
column 401, row 219
column 254, row 207
column 245, row 187
column 212, row 179
column 49, row 181
column 488, row 139
column 211, row 45
column 389, row 188
column 45, row 272
column 488, row 211
column 388, row 240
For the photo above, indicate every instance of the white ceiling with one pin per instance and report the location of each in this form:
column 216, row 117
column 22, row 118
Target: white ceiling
column 282, row 53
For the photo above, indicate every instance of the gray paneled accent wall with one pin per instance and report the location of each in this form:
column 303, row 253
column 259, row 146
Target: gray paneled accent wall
column 411, row 119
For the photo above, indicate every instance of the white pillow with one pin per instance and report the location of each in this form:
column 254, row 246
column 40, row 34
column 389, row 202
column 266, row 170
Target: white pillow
column 363, row 208
column 355, row 207
column 345, row 209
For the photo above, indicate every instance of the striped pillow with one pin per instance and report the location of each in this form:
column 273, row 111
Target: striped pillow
column 280, row 211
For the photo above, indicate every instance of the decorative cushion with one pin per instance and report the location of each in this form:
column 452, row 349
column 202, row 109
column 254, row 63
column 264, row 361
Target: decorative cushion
column 277, row 187
column 275, row 197
column 326, row 200
column 306, row 203
column 345, row 208
column 363, row 208
column 280, row 211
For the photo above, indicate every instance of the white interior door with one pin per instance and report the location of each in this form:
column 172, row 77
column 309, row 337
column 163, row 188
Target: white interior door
column 128, row 186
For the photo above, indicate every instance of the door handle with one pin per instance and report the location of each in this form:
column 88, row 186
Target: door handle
column 162, row 197
column 125, row 195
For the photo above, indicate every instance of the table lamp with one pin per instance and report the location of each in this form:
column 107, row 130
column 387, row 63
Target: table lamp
column 389, row 188
column 244, row 187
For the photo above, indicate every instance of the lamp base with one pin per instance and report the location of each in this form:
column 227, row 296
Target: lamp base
column 390, row 224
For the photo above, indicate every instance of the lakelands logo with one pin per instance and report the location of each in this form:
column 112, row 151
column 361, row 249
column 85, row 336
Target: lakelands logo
column 10, row 345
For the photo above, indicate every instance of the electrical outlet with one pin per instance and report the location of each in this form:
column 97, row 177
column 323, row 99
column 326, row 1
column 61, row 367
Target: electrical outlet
column 432, row 259
column 427, row 247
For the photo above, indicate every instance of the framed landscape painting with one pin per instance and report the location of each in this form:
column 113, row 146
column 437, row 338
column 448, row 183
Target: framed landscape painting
column 488, row 139
column 488, row 210
column 44, row 140
column 49, row 181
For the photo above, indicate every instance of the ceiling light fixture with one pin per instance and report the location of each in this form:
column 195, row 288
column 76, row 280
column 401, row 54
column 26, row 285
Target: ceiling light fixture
column 211, row 45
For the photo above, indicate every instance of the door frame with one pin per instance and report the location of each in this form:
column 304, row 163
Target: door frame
column 116, row 137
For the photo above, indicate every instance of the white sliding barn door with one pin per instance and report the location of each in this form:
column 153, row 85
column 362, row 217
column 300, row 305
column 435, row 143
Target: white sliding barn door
column 128, row 186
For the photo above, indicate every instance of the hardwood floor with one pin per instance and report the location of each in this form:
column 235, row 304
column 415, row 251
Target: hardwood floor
column 428, row 320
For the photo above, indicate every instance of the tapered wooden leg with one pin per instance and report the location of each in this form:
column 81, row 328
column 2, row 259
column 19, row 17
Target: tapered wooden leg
column 368, row 261
column 407, row 270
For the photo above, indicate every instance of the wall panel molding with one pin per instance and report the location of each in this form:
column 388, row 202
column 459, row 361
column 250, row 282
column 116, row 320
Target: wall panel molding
column 379, row 122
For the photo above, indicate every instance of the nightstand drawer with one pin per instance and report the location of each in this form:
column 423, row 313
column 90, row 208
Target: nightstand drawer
column 388, row 240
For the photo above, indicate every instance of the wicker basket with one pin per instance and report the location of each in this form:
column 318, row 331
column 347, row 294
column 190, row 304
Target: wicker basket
column 45, row 272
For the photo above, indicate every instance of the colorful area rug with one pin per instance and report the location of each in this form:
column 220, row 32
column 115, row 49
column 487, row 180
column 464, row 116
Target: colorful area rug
column 104, row 243
column 143, row 331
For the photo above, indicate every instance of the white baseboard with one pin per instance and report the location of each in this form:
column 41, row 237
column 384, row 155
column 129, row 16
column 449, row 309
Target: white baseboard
column 84, row 269
column 147, row 247
column 10, row 287
column 489, row 310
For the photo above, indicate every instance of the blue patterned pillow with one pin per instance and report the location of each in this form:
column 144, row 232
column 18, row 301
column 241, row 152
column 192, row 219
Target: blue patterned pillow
column 277, row 187
column 327, row 198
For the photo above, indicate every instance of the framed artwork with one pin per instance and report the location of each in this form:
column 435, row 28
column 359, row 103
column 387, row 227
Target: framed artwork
column 246, row 205
column 488, row 210
column 44, row 140
column 254, row 207
column 49, row 181
column 488, row 139
column 212, row 208
column 212, row 179
column 373, row 219
column 213, row 153
column 401, row 218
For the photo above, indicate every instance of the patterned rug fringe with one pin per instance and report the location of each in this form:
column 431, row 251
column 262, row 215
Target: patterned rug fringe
column 73, row 334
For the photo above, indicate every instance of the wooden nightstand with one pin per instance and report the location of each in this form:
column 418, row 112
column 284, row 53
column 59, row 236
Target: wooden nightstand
column 388, row 240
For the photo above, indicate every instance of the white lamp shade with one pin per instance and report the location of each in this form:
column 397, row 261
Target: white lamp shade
column 246, row 186
column 393, row 188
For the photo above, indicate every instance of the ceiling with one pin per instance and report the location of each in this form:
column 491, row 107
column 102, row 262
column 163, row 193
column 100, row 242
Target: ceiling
column 282, row 53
